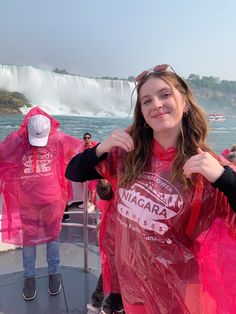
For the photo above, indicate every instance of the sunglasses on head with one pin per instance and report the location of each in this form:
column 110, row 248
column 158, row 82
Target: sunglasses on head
column 159, row 69
column 156, row 69
column 87, row 137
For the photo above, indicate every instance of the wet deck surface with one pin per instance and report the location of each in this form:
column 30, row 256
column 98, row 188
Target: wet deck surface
column 77, row 285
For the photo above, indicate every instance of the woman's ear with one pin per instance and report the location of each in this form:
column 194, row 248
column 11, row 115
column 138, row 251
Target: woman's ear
column 186, row 108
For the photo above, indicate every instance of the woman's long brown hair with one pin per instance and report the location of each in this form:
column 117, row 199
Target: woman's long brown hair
column 193, row 134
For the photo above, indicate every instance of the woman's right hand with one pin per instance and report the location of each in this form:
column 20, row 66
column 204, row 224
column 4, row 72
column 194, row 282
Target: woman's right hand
column 117, row 138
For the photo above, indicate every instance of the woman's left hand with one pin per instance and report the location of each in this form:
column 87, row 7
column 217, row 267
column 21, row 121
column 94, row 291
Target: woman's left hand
column 205, row 164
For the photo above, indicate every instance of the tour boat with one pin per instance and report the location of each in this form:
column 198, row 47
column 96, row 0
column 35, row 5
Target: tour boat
column 216, row 117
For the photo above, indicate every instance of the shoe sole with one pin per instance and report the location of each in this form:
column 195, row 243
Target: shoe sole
column 91, row 209
column 94, row 310
column 54, row 293
column 31, row 298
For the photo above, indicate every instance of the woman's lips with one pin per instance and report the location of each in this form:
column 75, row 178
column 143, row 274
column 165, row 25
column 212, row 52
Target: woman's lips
column 159, row 114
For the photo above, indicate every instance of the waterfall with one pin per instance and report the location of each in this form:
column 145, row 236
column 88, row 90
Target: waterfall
column 60, row 94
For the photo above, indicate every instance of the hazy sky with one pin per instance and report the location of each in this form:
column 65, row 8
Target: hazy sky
column 120, row 37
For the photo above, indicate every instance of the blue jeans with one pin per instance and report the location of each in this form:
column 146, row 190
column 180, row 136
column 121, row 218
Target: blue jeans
column 53, row 258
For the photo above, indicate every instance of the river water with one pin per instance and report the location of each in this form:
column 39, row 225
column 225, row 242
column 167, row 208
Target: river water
column 222, row 134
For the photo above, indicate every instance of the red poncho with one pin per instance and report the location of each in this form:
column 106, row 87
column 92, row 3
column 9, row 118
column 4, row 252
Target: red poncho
column 33, row 184
column 107, row 245
column 159, row 265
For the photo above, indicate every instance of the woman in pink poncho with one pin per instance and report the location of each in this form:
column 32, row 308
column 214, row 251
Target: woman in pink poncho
column 34, row 188
column 172, row 192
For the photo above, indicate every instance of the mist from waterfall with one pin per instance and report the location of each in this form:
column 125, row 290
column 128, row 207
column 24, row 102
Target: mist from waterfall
column 60, row 94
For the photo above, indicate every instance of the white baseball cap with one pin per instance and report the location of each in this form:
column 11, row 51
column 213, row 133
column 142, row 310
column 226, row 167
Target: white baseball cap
column 38, row 130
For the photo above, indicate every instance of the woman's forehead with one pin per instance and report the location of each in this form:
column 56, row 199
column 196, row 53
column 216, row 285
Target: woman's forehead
column 154, row 84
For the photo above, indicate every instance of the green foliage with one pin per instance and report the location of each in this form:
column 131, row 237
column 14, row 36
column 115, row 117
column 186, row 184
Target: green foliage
column 62, row 71
column 10, row 102
column 214, row 95
column 212, row 83
column 131, row 78
column 20, row 96
column 109, row 78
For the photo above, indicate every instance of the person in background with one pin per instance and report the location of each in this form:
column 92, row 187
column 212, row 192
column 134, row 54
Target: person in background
column 75, row 198
column 32, row 165
column 88, row 140
column 113, row 303
column 227, row 151
column 88, row 143
column 76, row 190
column 75, row 195
column 233, row 148
column 171, row 187
column 231, row 156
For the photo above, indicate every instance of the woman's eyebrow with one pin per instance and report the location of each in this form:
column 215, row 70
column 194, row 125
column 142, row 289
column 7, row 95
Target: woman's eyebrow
column 145, row 96
column 164, row 89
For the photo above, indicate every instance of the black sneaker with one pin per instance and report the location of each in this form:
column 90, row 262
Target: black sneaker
column 77, row 204
column 54, row 284
column 29, row 291
column 66, row 218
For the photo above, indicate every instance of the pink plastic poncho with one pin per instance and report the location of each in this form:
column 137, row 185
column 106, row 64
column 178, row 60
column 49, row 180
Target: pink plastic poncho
column 225, row 152
column 104, row 207
column 76, row 189
column 156, row 259
column 107, row 245
column 34, row 186
column 217, row 260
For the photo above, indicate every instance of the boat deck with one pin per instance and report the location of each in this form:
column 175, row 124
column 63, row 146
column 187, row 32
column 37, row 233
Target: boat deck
column 77, row 285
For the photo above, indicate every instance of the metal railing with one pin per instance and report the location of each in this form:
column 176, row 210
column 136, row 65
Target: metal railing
column 85, row 224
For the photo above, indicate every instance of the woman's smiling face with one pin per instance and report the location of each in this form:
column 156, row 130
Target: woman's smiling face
column 162, row 106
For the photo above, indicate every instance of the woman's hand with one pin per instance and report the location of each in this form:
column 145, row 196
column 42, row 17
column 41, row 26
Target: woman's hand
column 205, row 164
column 117, row 138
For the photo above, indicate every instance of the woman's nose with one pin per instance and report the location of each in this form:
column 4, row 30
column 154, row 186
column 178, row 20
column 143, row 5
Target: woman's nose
column 157, row 102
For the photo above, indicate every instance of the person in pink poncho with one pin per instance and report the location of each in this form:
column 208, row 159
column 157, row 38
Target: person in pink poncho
column 172, row 192
column 34, row 188
column 231, row 155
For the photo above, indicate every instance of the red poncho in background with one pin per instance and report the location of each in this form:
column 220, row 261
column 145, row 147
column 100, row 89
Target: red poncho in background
column 34, row 187
column 107, row 245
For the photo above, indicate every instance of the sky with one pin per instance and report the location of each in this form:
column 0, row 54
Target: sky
column 120, row 38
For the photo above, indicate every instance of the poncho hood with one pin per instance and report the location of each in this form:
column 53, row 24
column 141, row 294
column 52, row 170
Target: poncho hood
column 23, row 132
